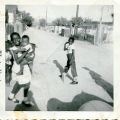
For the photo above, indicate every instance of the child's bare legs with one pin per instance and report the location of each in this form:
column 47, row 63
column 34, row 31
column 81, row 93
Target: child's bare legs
column 30, row 64
column 28, row 60
column 24, row 62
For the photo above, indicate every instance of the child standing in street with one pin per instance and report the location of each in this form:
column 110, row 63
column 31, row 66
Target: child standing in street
column 69, row 47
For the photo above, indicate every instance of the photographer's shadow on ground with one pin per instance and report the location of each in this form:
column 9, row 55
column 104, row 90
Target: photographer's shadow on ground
column 76, row 104
column 81, row 99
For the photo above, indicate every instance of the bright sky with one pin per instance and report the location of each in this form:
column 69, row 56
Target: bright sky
column 54, row 11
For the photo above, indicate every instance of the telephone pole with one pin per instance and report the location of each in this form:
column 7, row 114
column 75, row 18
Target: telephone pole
column 77, row 12
column 46, row 16
column 100, row 27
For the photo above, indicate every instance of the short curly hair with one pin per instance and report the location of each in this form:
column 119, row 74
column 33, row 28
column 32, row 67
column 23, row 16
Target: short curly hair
column 71, row 38
column 14, row 33
column 25, row 36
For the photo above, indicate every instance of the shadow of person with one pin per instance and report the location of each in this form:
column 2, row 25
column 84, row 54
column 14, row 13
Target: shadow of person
column 22, row 107
column 79, row 100
column 61, row 69
column 100, row 81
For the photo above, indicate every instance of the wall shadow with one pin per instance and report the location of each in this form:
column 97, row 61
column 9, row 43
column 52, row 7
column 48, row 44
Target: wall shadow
column 22, row 107
column 61, row 69
column 101, row 82
column 80, row 99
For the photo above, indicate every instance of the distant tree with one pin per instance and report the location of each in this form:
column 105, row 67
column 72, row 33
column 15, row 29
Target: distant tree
column 60, row 22
column 63, row 21
column 77, row 21
column 27, row 19
column 87, row 20
column 56, row 22
column 42, row 22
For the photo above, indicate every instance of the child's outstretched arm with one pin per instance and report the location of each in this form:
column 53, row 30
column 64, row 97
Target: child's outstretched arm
column 19, row 59
column 65, row 48
column 20, row 50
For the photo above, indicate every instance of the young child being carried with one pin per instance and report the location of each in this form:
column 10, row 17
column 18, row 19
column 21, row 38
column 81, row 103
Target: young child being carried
column 28, row 60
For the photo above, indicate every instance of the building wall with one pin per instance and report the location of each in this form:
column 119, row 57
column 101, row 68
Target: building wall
column 14, row 22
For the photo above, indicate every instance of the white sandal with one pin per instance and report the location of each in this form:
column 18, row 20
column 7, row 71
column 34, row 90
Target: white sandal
column 14, row 100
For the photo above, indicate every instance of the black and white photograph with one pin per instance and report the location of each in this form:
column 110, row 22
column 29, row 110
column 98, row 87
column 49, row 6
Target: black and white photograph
column 59, row 57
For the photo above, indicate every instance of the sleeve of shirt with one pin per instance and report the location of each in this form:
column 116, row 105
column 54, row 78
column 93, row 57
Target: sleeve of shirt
column 31, row 48
column 67, row 45
column 73, row 47
column 27, row 47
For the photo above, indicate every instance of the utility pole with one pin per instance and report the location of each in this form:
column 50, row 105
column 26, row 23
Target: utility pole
column 46, row 16
column 100, row 27
column 77, row 12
